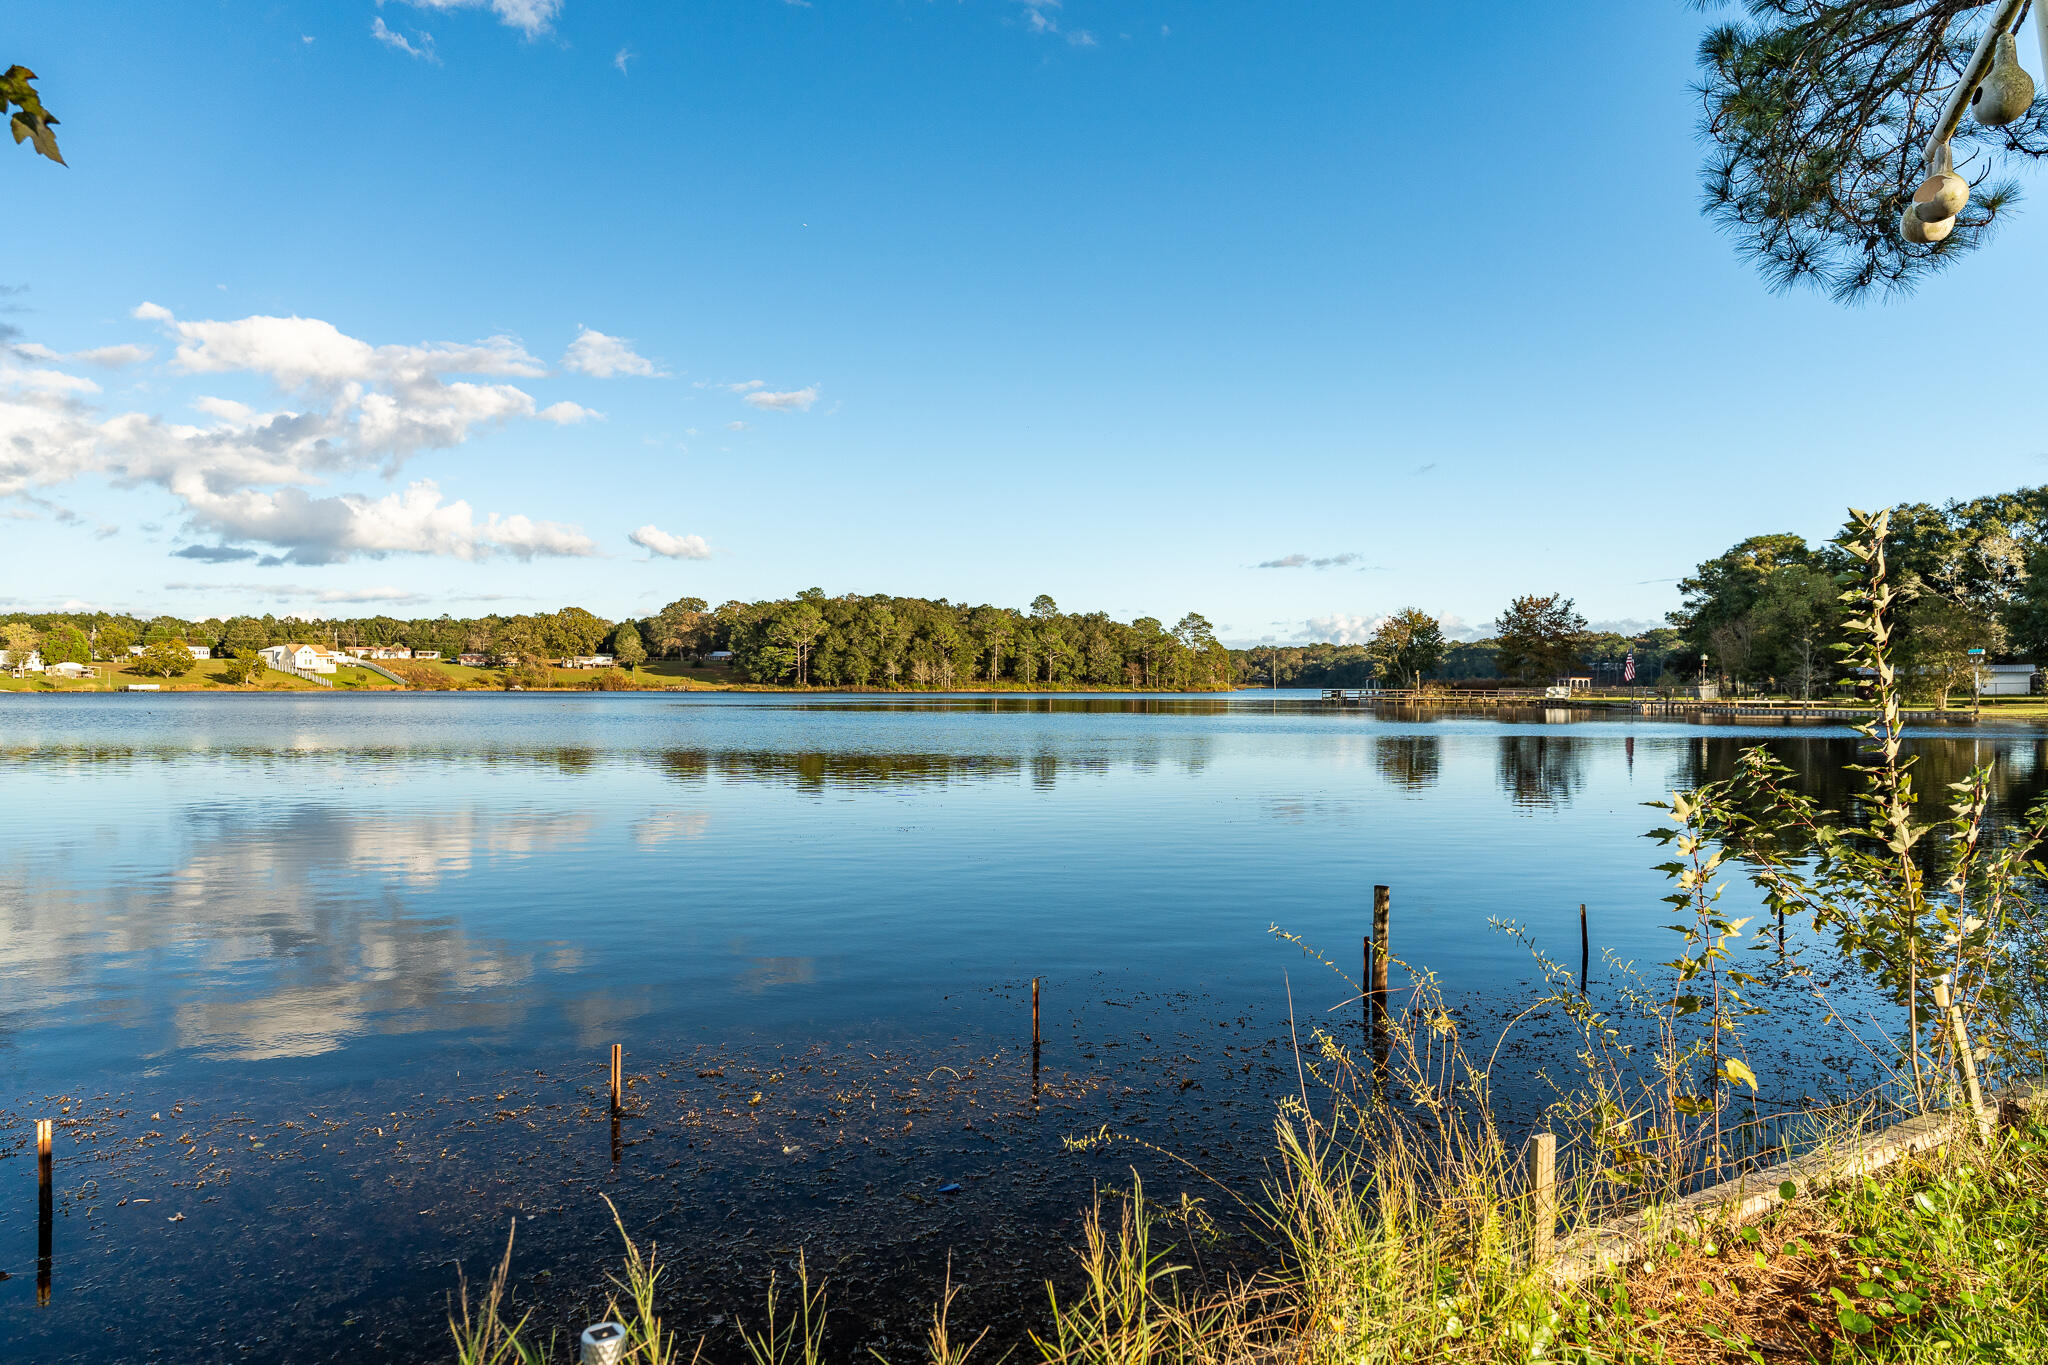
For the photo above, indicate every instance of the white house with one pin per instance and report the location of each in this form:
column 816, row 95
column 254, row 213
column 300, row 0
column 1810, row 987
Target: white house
column 589, row 661
column 69, row 670
column 199, row 651
column 305, row 658
column 32, row 664
column 2006, row 680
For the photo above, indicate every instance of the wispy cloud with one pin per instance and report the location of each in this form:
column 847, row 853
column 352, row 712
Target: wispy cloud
column 531, row 17
column 1038, row 16
column 657, row 541
column 1300, row 561
column 420, row 45
column 796, row 400
column 297, row 590
column 621, row 57
column 214, row 554
column 109, row 357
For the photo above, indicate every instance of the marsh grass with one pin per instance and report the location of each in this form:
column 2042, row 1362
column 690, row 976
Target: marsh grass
column 1399, row 1229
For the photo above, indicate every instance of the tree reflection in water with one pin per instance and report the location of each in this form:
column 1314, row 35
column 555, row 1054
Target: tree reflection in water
column 1411, row 761
column 1541, row 770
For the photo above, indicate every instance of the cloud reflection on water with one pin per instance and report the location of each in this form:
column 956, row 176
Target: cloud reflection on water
column 266, row 933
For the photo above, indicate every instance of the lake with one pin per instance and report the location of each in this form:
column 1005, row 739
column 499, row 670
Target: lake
column 320, row 991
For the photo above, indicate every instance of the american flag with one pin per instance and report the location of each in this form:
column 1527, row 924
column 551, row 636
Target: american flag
column 1628, row 669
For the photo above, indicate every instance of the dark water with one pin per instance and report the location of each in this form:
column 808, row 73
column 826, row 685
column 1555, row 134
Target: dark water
column 320, row 991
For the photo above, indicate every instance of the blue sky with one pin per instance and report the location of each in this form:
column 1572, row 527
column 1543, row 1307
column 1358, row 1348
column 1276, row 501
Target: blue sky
column 344, row 307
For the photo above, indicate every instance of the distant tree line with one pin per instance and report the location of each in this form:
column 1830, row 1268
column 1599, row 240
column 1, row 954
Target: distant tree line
column 808, row 640
column 1538, row 641
column 1766, row 614
column 1971, row 574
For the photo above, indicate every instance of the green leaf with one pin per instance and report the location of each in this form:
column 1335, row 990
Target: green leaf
column 1735, row 1069
column 1854, row 1322
column 1788, row 1190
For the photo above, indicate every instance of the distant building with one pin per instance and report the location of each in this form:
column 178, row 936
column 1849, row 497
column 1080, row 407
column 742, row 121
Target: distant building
column 32, row 664
column 2006, row 680
column 304, row 658
column 589, row 661
column 426, row 654
column 473, row 660
column 199, row 651
column 720, row 656
column 69, row 670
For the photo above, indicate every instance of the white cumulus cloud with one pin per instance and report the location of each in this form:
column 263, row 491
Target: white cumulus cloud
column 658, row 541
column 605, row 357
column 1344, row 628
column 245, row 475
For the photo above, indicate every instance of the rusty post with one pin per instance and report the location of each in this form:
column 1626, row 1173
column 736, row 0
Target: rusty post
column 45, row 1223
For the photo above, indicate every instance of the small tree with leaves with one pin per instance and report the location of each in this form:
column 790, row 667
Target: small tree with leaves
column 1407, row 646
column 626, row 646
column 1539, row 637
column 165, row 659
column 1908, row 900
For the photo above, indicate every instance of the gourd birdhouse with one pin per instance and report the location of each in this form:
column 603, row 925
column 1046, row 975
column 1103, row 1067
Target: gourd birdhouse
column 1922, row 233
column 2008, row 92
column 1940, row 196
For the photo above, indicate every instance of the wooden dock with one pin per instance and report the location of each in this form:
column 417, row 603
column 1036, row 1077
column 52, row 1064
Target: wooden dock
column 1439, row 698
column 1706, row 712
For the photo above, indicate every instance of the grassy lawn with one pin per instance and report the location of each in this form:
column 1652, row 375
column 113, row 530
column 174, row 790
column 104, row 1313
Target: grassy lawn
column 205, row 675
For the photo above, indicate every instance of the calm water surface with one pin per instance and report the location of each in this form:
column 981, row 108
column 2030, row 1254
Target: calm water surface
column 320, row 990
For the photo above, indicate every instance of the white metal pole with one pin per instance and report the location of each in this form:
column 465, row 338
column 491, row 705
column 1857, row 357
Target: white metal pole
column 1974, row 72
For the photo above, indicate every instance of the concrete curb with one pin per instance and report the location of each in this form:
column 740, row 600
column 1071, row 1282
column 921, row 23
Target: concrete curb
column 1594, row 1251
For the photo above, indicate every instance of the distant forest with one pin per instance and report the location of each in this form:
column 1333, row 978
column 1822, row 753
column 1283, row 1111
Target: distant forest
column 808, row 640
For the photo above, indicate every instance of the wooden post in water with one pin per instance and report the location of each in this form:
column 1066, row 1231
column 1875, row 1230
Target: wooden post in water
column 1382, row 917
column 618, row 1074
column 1585, row 952
column 1376, row 992
column 1542, row 1196
column 45, row 1223
column 1034, row 1042
column 1365, row 983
